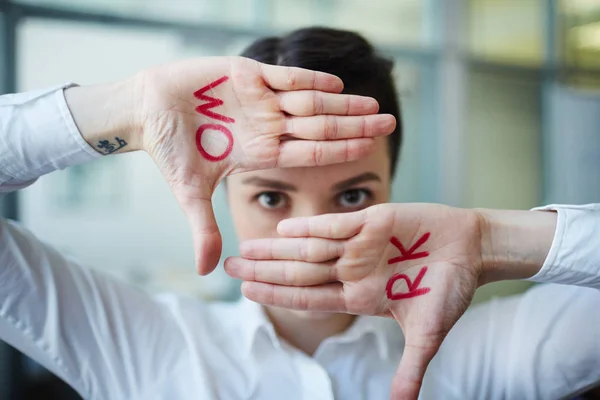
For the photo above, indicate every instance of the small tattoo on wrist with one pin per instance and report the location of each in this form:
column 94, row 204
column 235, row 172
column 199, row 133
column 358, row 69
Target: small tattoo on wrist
column 108, row 147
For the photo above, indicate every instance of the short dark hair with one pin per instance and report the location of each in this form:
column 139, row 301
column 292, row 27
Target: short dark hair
column 345, row 54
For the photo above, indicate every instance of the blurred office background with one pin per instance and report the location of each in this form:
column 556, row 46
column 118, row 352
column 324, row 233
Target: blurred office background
column 501, row 102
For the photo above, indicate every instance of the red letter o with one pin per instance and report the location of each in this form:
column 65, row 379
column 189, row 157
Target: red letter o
column 216, row 127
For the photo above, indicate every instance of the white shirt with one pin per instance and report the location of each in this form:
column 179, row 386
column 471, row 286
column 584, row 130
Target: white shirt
column 111, row 341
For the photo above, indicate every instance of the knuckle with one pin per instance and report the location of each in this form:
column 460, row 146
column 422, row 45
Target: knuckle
column 333, row 272
column 318, row 155
column 364, row 126
column 331, row 128
column 271, row 251
column 314, row 105
column 292, row 277
column 300, row 301
column 291, row 78
column 363, row 305
column 319, row 105
column 284, row 274
column 290, row 125
column 346, row 151
column 305, row 250
column 338, row 248
column 270, row 296
column 288, row 274
column 283, row 101
column 253, row 274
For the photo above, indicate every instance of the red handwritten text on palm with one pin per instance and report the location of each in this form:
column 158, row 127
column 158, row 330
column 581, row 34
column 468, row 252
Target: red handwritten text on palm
column 205, row 109
column 405, row 255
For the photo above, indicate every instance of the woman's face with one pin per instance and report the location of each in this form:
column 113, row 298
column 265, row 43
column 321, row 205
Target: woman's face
column 258, row 200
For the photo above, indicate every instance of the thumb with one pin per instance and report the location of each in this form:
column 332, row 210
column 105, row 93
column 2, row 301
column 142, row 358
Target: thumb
column 205, row 234
column 417, row 354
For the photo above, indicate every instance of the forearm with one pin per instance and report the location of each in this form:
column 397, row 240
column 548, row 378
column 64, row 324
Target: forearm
column 50, row 129
column 515, row 244
column 106, row 116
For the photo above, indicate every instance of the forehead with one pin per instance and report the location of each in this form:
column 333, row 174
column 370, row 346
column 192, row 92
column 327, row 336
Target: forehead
column 324, row 177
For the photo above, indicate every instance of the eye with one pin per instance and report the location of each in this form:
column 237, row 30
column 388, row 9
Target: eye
column 354, row 197
column 272, row 200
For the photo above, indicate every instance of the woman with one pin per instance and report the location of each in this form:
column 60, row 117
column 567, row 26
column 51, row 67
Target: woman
column 522, row 347
column 110, row 341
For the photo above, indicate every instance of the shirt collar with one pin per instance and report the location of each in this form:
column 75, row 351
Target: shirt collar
column 254, row 322
column 383, row 330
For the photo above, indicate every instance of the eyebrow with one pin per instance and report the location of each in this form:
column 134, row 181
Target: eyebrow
column 269, row 183
column 366, row 177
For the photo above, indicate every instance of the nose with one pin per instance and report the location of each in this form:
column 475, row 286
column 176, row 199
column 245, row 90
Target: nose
column 309, row 209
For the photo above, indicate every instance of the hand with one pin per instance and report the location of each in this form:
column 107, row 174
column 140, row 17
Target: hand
column 204, row 119
column 418, row 263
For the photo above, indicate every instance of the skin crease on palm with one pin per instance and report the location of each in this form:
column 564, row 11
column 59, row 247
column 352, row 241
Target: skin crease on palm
column 258, row 200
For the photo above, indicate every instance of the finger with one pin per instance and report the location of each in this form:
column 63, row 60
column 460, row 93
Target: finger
column 302, row 249
column 331, row 226
column 205, row 233
column 289, row 273
column 312, row 102
column 328, row 298
column 308, row 153
column 408, row 379
column 292, row 78
column 334, row 127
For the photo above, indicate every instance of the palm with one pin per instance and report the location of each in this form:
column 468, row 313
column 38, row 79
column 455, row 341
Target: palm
column 205, row 119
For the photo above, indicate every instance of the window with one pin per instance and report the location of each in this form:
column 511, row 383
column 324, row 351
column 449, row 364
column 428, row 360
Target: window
column 506, row 31
column 504, row 140
column 580, row 33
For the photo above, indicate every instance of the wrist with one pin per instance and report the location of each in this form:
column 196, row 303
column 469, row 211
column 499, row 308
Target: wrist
column 514, row 244
column 106, row 116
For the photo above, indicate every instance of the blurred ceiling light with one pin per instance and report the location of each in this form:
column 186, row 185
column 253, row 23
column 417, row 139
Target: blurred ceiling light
column 587, row 36
column 581, row 6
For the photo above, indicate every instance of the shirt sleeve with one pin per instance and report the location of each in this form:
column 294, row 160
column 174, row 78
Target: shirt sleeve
column 38, row 135
column 542, row 344
column 574, row 256
column 104, row 338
